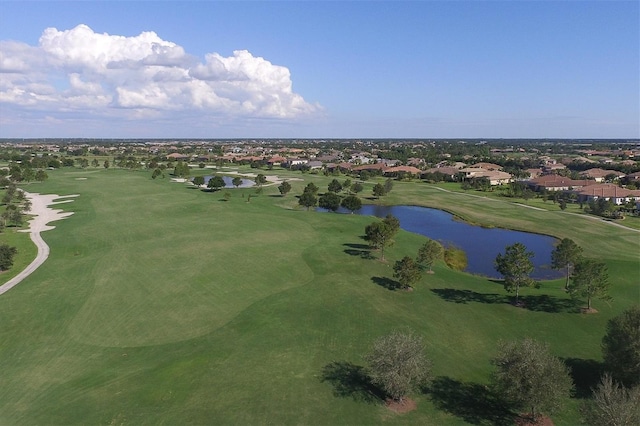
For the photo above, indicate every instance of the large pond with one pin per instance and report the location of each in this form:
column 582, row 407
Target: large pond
column 481, row 245
column 228, row 182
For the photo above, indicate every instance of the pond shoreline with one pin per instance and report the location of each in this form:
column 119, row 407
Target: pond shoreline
column 481, row 243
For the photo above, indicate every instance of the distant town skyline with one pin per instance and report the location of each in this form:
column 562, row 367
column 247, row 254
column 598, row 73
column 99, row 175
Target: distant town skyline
column 320, row 69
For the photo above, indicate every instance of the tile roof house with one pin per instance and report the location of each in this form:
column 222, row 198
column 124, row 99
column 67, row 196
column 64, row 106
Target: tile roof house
column 558, row 183
column 599, row 174
column 377, row 166
column 402, row 169
column 495, row 177
column 608, row 191
column 448, row 171
column 177, row 156
column 487, row 166
column 276, row 160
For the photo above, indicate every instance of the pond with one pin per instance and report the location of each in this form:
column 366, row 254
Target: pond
column 228, row 182
column 481, row 245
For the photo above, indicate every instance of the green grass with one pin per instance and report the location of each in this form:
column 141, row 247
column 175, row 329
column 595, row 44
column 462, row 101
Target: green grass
column 164, row 304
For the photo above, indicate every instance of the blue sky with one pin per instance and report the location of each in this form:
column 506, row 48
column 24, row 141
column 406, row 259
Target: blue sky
column 329, row 69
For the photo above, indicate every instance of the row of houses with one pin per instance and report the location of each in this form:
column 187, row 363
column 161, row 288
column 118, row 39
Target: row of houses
column 585, row 189
column 589, row 188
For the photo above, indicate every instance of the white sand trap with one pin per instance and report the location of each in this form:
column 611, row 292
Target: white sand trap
column 43, row 214
column 81, row 178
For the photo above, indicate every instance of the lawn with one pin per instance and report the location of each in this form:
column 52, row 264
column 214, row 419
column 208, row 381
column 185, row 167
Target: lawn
column 164, row 304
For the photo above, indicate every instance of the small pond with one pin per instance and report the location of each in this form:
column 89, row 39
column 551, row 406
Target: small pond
column 228, row 182
column 481, row 245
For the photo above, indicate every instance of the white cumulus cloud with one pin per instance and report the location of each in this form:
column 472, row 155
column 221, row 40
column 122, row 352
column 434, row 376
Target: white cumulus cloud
column 110, row 75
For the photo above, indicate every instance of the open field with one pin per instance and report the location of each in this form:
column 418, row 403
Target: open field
column 165, row 304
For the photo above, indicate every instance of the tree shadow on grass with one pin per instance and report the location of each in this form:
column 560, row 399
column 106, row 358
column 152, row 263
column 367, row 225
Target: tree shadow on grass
column 546, row 303
column 360, row 250
column 387, row 283
column 468, row 296
column 351, row 381
column 536, row 303
column 472, row 402
column 585, row 373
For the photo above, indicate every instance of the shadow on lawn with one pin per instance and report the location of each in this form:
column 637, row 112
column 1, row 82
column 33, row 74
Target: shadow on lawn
column 538, row 303
column 351, row 381
column 387, row 283
column 585, row 374
column 361, row 250
column 472, row 402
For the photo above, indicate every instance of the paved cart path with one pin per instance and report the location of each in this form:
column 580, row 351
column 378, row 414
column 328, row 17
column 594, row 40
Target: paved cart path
column 43, row 214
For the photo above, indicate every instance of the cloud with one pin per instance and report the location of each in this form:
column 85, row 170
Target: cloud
column 107, row 75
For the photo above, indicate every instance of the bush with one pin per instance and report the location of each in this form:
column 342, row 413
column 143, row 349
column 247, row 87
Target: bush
column 455, row 258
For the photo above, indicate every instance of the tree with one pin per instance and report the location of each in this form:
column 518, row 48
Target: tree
column 621, row 347
column 308, row 199
column 181, row 169
column 393, row 222
column 380, row 234
column 12, row 215
column 335, row 186
column 284, row 188
column 378, row 190
column 215, row 183
column 198, row 180
column 312, row 188
column 590, row 279
column 106, row 164
column 357, row 187
column 351, row 203
column 612, row 404
column 563, row 204
column 397, row 363
column 566, row 254
column 41, row 176
column 27, row 174
column 260, row 179
column 527, row 375
column 26, row 206
column 346, row 184
column 156, row 173
column 236, row 181
column 388, row 185
column 407, row 272
column 429, row 252
column 6, row 256
column 329, row 201
column 515, row 266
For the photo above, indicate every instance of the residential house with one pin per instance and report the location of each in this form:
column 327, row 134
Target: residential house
column 557, row 183
column 599, row 175
column 608, row 191
column 496, row 177
column 487, row 166
column 407, row 170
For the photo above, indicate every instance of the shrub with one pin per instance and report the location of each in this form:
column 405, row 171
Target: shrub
column 455, row 258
